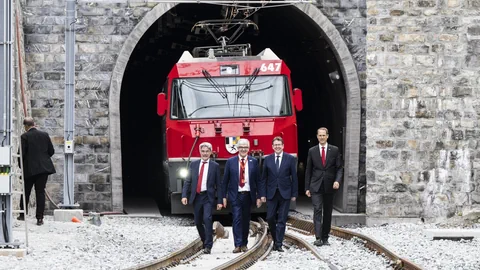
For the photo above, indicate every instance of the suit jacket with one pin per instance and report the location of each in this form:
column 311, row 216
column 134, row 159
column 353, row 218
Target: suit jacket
column 285, row 179
column 232, row 175
column 213, row 182
column 37, row 150
column 316, row 173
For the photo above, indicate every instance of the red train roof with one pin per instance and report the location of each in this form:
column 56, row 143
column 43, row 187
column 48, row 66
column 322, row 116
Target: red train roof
column 267, row 62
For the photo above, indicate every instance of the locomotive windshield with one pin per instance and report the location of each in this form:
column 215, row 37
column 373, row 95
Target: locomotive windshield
column 232, row 96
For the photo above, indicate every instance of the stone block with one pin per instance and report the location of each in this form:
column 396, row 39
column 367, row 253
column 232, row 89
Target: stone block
column 426, row 3
column 13, row 252
column 66, row 215
column 472, row 61
column 453, row 3
column 349, row 4
column 473, row 3
column 384, row 144
column 411, row 38
column 462, row 91
column 103, row 188
column 451, row 234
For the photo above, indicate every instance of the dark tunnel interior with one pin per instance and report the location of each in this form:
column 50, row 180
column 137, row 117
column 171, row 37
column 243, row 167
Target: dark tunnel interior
column 292, row 35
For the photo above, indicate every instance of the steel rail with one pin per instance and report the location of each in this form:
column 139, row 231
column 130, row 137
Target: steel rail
column 307, row 228
column 249, row 258
column 179, row 256
column 299, row 242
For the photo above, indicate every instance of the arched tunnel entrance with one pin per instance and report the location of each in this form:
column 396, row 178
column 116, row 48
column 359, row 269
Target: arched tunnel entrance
column 292, row 35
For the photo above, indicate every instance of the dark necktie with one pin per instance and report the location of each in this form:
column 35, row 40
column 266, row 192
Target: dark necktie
column 241, row 183
column 200, row 177
column 277, row 163
column 323, row 156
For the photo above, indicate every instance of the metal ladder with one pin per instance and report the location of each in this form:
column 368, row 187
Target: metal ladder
column 22, row 192
column 16, row 172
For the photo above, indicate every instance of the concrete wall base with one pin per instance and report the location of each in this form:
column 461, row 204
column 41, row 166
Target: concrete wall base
column 451, row 234
column 66, row 215
column 372, row 221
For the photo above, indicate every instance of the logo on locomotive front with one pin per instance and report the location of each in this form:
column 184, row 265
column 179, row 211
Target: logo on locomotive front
column 231, row 144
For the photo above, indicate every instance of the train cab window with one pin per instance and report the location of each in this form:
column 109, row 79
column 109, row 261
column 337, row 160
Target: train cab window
column 177, row 111
column 232, row 96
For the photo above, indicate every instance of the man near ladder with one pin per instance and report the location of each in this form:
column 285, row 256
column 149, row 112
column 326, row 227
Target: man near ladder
column 37, row 150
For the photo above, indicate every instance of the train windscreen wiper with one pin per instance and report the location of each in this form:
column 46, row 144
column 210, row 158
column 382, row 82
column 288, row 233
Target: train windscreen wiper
column 220, row 89
column 248, row 83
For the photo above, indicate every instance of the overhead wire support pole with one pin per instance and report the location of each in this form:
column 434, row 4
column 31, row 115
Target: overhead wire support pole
column 68, row 176
column 6, row 85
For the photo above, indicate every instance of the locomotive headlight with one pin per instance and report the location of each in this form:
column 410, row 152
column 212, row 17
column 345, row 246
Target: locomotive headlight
column 183, row 172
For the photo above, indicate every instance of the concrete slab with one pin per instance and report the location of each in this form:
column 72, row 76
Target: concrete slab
column 15, row 252
column 451, row 234
column 304, row 206
column 373, row 221
column 66, row 215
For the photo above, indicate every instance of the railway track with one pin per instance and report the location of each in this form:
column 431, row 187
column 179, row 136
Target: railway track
column 291, row 240
column 189, row 252
column 306, row 227
column 259, row 251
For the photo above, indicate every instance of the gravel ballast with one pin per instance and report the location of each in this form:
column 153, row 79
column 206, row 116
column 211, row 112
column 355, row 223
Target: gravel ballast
column 119, row 243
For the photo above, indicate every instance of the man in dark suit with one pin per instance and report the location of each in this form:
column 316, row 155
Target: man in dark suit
column 37, row 150
column 240, row 188
column 279, row 182
column 323, row 176
column 202, row 180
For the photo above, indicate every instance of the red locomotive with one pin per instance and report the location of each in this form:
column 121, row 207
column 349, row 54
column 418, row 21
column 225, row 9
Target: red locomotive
column 219, row 95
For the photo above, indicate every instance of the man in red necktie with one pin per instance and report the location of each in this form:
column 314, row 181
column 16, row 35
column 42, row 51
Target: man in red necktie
column 323, row 176
column 239, row 186
column 202, row 180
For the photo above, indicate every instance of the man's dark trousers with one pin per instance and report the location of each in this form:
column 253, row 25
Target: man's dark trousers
column 241, row 218
column 277, row 225
column 40, row 181
column 203, row 218
column 322, row 201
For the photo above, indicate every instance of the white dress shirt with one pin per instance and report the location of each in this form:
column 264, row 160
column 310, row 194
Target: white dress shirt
column 205, row 174
column 246, row 187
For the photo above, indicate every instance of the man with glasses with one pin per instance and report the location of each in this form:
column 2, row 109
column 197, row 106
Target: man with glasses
column 279, row 182
column 240, row 188
column 323, row 176
column 202, row 179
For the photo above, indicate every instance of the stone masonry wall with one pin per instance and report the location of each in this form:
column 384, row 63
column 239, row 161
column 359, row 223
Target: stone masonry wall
column 349, row 17
column 101, row 31
column 423, row 70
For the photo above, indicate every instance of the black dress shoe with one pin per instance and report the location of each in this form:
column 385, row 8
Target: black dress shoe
column 325, row 242
column 279, row 249
column 318, row 243
column 207, row 250
column 40, row 222
column 21, row 217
